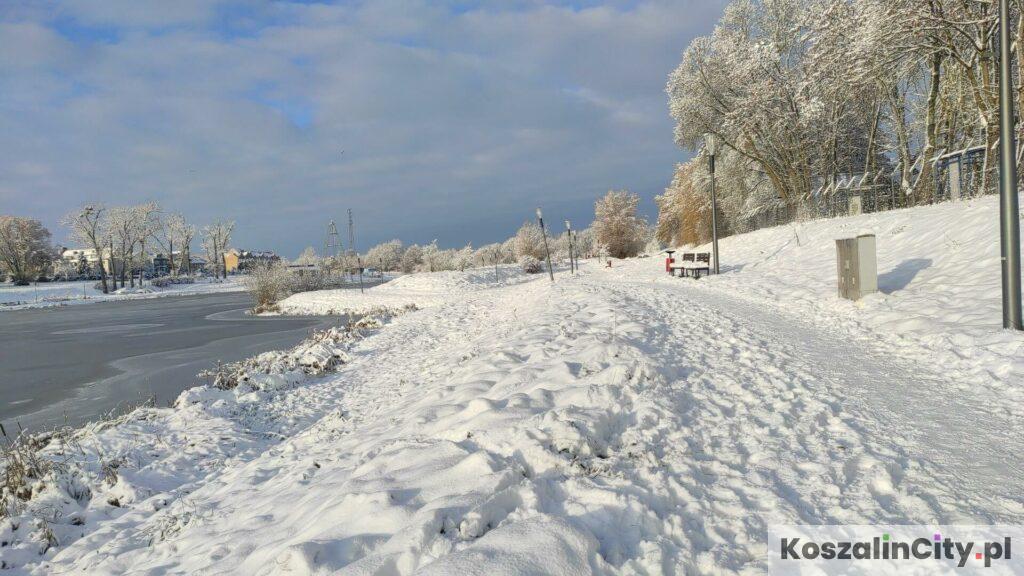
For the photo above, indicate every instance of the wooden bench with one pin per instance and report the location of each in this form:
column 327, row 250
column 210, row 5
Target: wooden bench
column 703, row 264
column 687, row 257
column 693, row 264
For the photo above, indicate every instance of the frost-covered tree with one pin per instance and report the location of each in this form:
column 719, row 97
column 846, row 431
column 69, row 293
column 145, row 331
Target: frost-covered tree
column 462, row 258
column 583, row 242
column 388, row 255
column 412, row 258
column 25, row 249
column 617, row 226
column 307, row 257
column 529, row 241
column 436, row 259
column 805, row 93
column 508, row 251
column 488, row 255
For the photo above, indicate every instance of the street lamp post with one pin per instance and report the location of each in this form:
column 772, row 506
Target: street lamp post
column 711, row 144
column 568, row 233
column 1009, row 215
column 544, row 235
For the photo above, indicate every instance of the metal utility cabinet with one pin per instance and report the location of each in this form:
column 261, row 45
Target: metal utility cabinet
column 857, row 266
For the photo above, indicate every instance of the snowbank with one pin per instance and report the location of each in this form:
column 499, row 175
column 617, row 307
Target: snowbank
column 50, row 294
column 422, row 290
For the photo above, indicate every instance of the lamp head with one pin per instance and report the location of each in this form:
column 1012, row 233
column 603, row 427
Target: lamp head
column 711, row 143
column 539, row 215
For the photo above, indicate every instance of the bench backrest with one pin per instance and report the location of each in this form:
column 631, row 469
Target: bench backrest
column 704, row 257
column 687, row 256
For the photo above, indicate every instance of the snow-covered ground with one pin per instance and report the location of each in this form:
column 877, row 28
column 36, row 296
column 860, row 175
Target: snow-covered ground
column 49, row 294
column 616, row 421
column 939, row 293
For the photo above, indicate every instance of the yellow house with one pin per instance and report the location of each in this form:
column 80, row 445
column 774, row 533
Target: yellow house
column 231, row 258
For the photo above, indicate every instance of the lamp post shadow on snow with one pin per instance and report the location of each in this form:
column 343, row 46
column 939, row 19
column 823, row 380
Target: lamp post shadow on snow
column 902, row 275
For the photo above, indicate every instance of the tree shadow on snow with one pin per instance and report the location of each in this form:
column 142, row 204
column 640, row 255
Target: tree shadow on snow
column 902, row 275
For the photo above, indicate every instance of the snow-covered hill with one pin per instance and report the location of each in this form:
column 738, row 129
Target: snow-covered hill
column 616, row 421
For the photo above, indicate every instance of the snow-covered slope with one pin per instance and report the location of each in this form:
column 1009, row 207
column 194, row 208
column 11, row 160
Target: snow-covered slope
column 939, row 285
column 617, row 421
column 420, row 290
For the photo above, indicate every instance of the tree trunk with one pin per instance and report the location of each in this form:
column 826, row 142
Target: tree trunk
column 925, row 178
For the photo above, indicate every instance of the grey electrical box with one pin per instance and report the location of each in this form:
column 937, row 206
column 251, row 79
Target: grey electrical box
column 858, row 270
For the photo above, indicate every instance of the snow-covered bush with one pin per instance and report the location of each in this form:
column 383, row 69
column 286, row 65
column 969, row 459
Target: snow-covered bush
column 267, row 285
column 531, row 265
column 529, row 241
column 165, row 281
column 307, row 281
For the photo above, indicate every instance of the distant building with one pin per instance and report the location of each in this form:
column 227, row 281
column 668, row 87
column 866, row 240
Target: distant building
column 307, row 269
column 199, row 264
column 85, row 262
column 243, row 260
column 160, row 265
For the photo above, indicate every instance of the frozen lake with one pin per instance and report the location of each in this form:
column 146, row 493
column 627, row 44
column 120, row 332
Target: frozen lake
column 84, row 361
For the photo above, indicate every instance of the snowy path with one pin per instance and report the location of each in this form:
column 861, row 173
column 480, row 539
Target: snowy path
column 610, row 423
column 908, row 416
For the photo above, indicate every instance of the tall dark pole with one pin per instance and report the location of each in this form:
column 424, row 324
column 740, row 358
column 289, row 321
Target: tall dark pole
column 576, row 243
column 711, row 144
column 540, row 218
column 568, row 232
column 1009, row 214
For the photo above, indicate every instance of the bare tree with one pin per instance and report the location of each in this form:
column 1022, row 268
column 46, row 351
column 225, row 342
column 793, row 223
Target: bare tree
column 90, row 225
column 216, row 238
column 174, row 232
column 130, row 226
column 24, row 248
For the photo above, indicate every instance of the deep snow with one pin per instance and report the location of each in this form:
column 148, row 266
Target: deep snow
column 617, row 421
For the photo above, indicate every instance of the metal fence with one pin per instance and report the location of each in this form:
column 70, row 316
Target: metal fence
column 954, row 176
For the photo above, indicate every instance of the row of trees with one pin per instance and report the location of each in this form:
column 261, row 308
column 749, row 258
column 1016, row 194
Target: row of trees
column 119, row 236
column 121, row 239
column 617, row 231
column 803, row 92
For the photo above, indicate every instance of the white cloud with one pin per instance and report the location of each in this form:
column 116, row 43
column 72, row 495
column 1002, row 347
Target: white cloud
column 449, row 117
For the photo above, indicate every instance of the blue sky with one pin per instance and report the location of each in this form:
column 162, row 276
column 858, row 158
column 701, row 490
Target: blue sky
column 444, row 120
